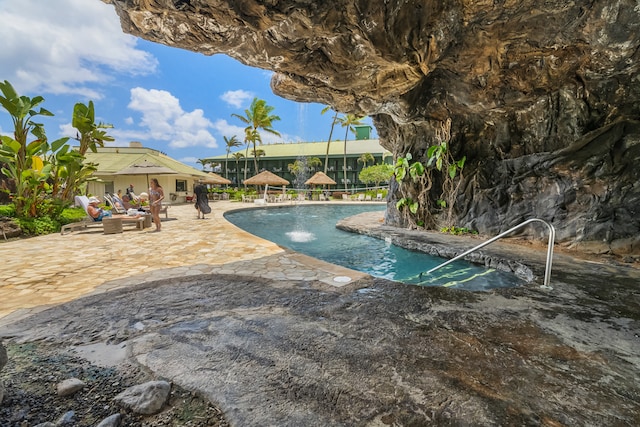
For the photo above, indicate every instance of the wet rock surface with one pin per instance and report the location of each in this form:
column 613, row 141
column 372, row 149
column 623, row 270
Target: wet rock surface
column 293, row 353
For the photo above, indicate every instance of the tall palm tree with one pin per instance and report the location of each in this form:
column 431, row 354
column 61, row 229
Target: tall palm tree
column 237, row 156
column 258, row 117
column 230, row 143
column 333, row 124
column 347, row 122
column 251, row 136
column 257, row 154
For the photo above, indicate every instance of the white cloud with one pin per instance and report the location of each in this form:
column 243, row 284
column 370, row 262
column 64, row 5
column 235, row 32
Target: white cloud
column 236, row 98
column 224, row 128
column 189, row 160
column 66, row 47
column 129, row 120
column 165, row 119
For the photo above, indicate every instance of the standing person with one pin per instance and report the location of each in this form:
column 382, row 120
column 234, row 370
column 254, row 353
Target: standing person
column 202, row 199
column 156, row 195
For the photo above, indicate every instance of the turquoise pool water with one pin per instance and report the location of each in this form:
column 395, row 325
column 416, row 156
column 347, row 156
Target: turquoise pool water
column 310, row 229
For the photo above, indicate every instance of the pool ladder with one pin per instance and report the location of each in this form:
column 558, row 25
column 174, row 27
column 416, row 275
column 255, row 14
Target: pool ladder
column 547, row 271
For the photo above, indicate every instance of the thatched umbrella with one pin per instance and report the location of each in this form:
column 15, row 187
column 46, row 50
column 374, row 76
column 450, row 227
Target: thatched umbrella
column 320, row 179
column 266, row 178
column 215, row 179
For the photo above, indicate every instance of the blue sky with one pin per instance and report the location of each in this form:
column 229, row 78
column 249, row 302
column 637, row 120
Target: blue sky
column 175, row 101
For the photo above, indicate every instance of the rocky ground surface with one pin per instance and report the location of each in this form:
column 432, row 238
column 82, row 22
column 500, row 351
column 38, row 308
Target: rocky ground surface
column 374, row 353
column 34, row 370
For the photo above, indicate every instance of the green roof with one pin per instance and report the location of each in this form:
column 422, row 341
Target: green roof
column 312, row 149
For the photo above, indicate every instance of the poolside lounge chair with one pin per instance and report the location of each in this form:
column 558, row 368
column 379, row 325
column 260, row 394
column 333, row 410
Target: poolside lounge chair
column 116, row 204
column 89, row 222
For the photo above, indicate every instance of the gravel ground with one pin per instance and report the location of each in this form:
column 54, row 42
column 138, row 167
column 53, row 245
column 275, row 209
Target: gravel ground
column 34, row 370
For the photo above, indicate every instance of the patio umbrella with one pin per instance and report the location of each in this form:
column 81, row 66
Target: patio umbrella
column 214, row 178
column 320, row 179
column 266, row 178
column 146, row 168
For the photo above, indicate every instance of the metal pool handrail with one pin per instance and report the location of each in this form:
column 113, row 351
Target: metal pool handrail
column 552, row 238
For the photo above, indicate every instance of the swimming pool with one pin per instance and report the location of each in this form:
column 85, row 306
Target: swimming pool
column 310, row 229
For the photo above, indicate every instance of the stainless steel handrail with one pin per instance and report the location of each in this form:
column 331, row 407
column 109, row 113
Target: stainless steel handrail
column 552, row 238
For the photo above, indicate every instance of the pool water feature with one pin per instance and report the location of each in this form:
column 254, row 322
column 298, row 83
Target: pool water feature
column 311, row 230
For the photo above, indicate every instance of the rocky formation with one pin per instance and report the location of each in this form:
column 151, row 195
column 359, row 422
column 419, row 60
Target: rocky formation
column 543, row 95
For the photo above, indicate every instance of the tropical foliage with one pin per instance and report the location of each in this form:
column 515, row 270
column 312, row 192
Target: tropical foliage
column 229, row 143
column 416, row 179
column 333, row 124
column 257, row 117
column 376, row 174
column 42, row 175
column 348, row 121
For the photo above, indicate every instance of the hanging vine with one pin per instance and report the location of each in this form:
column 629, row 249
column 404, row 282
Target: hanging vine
column 416, row 180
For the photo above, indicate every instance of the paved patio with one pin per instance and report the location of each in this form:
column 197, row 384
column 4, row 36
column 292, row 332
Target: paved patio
column 53, row 269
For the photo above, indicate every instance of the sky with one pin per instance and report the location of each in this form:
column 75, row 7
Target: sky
column 175, row 101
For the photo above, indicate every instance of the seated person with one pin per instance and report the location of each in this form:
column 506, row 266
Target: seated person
column 124, row 202
column 96, row 212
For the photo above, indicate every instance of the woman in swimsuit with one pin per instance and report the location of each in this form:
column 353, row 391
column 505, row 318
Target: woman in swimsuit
column 156, row 195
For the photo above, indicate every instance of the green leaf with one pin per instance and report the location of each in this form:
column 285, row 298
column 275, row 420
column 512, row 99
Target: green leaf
column 452, row 171
column 11, row 144
column 7, row 90
column 461, row 162
column 58, row 143
column 45, row 112
column 413, row 207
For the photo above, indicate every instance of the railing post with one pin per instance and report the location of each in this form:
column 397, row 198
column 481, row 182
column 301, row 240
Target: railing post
column 547, row 271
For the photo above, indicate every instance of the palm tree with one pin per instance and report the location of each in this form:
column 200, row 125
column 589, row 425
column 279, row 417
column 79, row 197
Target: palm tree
column 250, row 137
column 230, row 143
column 257, row 154
column 366, row 158
column 237, row 156
column 313, row 163
column 333, row 123
column 257, row 117
column 202, row 162
column 347, row 122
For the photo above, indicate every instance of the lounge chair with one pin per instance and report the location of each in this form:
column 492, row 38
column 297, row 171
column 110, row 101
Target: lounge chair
column 116, row 204
column 106, row 226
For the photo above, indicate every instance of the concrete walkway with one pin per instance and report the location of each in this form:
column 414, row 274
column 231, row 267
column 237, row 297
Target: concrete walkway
column 48, row 270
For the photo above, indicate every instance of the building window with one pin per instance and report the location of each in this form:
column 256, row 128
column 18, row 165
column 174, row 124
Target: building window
column 181, row 185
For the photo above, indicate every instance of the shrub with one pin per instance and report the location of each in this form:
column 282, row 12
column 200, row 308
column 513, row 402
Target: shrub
column 38, row 226
column 70, row 215
column 8, row 210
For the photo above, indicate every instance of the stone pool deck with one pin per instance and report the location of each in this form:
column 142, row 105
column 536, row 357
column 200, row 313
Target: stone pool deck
column 273, row 340
column 48, row 270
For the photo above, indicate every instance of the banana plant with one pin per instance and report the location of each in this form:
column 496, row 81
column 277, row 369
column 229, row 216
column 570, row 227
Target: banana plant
column 23, row 161
column 91, row 134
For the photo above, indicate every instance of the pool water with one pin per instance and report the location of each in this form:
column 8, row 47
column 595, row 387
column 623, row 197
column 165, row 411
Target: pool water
column 310, row 229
